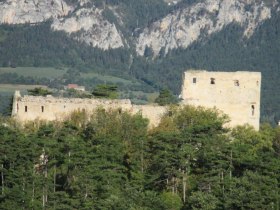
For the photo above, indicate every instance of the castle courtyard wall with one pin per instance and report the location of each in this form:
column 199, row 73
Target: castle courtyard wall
column 51, row 108
column 30, row 108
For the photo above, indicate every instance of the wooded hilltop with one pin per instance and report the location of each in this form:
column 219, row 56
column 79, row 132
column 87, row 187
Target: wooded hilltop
column 113, row 161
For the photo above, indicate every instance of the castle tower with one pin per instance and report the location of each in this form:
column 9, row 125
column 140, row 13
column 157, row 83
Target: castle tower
column 237, row 94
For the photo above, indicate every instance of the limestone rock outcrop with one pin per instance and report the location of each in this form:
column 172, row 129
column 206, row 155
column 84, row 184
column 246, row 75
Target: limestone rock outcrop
column 26, row 11
column 179, row 29
column 185, row 26
column 85, row 24
column 88, row 25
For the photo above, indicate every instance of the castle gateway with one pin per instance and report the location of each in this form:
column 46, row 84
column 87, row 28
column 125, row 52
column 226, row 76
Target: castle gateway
column 237, row 94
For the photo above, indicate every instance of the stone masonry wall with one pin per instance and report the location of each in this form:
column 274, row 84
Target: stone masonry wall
column 237, row 94
column 29, row 108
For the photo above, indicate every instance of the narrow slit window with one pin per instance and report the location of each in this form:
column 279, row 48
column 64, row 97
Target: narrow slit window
column 212, row 81
column 25, row 108
column 253, row 110
column 194, row 80
column 236, row 83
column 257, row 83
column 42, row 108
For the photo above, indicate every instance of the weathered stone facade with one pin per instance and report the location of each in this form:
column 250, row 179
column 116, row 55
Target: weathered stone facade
column 237, row 94
column 29, row 108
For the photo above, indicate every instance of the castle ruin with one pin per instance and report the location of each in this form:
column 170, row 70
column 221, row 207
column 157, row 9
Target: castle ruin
column 237, row 94
column 49, row 108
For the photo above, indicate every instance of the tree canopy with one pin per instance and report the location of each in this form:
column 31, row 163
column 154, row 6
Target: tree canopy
column 112, row 160
column 105, row 91
column 165, row 98
column 38, row 91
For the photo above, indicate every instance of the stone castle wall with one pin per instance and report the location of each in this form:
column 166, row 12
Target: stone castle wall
column 29, row 108
column 235, row 93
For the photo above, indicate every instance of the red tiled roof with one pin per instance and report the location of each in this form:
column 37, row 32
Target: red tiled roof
column 72, row 86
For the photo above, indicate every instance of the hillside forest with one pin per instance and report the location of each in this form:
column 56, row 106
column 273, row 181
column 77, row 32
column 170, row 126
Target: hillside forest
column 113, row 160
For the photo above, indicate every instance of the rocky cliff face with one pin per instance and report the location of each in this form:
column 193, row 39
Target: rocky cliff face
column 185, row 26
column 179, row 29
column 26, row 11
column 84, row 24
column 88, row 25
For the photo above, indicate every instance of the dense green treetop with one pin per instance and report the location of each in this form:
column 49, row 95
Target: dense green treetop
column 38, row 91
column 105, row 91
column 166, row 98
column 111, row 160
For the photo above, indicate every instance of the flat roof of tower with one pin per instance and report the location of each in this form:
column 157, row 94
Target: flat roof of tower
column 218, row 72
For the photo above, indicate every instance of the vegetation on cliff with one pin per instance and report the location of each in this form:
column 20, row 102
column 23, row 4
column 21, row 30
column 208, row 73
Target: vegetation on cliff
column 110, row 160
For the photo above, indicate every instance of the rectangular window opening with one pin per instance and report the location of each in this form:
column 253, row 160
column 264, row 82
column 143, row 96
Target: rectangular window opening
column 25, row 108
column 212, row 81
column 194, row 80
column 42, row 108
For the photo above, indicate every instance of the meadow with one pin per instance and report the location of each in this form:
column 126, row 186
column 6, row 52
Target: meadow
column 49, row 72
column 11, row 88
column 107, row 78
column 39, row 72
column 128, row 88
